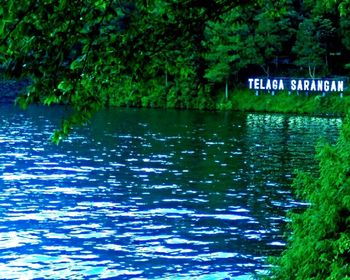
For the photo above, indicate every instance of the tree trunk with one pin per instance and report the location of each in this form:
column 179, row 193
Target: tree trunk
column 312, row 71
column 166, row 78
column 266, row 70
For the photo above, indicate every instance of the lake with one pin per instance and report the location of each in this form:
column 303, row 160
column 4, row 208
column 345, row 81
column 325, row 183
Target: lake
column 149, row 194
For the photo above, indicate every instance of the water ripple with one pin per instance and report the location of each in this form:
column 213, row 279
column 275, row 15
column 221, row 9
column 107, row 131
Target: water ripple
column 135, row 198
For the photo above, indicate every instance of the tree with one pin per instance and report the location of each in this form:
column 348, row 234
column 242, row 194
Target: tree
column 344, row 9
column 319, row 34
column 308, row 48
column 273, row 29
column 74, row 51
column 224, row 44
column 134, row 52
column 245, row 36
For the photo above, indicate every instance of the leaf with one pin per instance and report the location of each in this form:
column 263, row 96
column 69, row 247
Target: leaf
column 77, row 63
column 51, row 99
column 65, row 86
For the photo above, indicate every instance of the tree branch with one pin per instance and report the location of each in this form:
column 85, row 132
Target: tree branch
column 93, row 39
column 29, row 10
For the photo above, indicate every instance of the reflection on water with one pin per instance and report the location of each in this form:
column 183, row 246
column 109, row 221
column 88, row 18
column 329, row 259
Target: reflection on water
column 148, row 194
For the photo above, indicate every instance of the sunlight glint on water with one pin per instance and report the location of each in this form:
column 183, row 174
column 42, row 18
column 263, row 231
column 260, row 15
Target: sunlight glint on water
column 149, row 194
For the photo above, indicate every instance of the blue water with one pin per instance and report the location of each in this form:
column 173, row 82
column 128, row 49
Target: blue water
column 149, row 194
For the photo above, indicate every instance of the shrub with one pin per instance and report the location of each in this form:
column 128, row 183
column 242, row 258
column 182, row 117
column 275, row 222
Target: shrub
column 319, row 243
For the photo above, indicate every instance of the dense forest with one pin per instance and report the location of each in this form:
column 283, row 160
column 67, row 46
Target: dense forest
column 178, row 54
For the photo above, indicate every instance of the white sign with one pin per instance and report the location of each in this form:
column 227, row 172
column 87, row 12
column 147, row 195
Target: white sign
column 316, row 85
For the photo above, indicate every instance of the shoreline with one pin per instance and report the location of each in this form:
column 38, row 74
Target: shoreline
column 239, row 100
column 10, row 90
column 244, row 100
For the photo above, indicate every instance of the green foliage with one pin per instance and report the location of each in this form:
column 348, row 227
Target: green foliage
column 89, row 54
column 245, row 36
column 272, row 31
column 319, row 244
column 224, row 44
column 308, row 46
column 282, row 102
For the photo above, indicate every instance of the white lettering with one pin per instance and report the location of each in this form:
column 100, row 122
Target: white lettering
column 268, row 84
column 250, row 83
column 319, row 85
column 274, row 84
column 293, row 85
column 340, row 86
column 326, row 85
column 262, row 84
column 300, row 85
column 256, row 83
column 281, row 85
column 333, row 86
column 313, row 85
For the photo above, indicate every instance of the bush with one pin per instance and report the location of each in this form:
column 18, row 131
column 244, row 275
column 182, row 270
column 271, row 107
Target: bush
column 319, row 243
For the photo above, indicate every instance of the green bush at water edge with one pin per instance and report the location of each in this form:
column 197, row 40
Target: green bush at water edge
column 245, row 100
column 239, row 100
column 319, row 243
